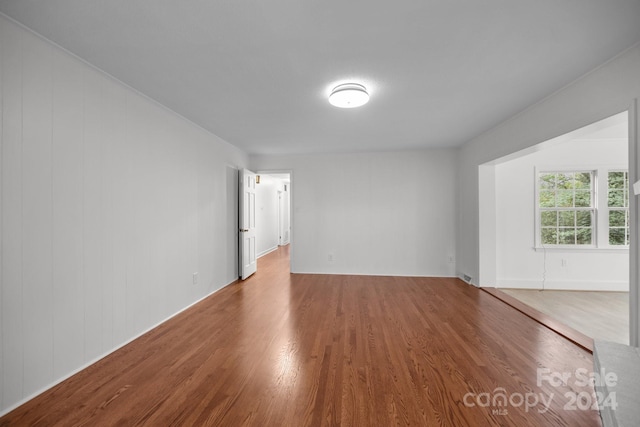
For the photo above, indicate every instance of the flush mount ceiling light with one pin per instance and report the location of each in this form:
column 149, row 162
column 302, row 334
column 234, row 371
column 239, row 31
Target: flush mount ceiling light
column 349, row 95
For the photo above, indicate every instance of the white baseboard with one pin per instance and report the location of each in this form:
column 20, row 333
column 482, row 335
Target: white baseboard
column 565, row 285
column 268, row 251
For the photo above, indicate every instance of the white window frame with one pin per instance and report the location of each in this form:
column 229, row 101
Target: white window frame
column 618, row 208
column 600, row 234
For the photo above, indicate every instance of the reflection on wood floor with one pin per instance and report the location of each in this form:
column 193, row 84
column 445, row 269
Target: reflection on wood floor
column 599, row 315
column 283, row 349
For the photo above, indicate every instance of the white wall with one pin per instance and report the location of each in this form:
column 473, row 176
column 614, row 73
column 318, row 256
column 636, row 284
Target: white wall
column 267, row 226
column 518, row 264
column 109, row 204
column 603, row 92
column 375, row 213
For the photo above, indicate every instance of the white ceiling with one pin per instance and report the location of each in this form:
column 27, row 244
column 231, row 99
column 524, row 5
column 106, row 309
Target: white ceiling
column 258, row 73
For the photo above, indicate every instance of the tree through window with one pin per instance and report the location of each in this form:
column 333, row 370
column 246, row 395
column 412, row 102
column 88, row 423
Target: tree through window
column 566, row 206
column 618, row 203
column 569, row 207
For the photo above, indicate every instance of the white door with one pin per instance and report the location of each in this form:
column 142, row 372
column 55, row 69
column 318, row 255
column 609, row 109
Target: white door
column 247, row 223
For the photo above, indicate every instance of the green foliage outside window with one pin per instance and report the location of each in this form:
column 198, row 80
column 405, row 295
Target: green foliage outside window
column 568, row 209
column 566, row 213
column 618, row 203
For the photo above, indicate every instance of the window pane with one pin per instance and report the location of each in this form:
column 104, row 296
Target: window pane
column 566, row 192
column 583, row 198
column 565, row 181
column 548, row 181
column 565, row 198
column 566, row 219
column 567, row 236
column 547, row 199
column 616, row 180
column 626, row 198
column 549, row 236
column 583, row 236
column 616, row 198
column 617, row 218
column 549, row 218
column 583, row 180
column 617, row 236
column 583, row 218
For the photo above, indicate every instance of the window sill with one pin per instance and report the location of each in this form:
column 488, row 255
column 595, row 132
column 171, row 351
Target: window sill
column 592, row 249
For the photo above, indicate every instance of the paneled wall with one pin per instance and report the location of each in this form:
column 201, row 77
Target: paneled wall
column 110, row 203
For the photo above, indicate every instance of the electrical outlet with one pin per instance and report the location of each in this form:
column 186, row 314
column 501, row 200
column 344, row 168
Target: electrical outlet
column 330, row 257
column 450, row 259
column 564, row 262
column 195, row 278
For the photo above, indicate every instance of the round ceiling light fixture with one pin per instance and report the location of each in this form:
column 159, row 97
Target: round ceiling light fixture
column 349, row 95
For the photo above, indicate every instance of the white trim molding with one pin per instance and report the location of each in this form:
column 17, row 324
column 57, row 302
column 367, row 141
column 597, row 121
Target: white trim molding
column 564, row 285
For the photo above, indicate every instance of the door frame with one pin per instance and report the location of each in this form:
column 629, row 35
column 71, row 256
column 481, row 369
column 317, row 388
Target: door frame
column 634, row 225
column 291, row 211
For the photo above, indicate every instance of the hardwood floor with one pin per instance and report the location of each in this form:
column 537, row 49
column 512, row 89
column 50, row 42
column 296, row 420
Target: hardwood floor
column 550, row 322
column 286, row 349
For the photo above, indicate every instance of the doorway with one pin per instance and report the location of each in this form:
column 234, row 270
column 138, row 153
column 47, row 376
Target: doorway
column 273, row 211
column 558, row 231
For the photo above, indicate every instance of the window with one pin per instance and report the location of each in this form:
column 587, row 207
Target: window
column 583, row 208
column 618, row 203
column 566, row 208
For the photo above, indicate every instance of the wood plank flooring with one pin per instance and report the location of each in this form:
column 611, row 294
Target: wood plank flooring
column 286, row 349
column 550, row 322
